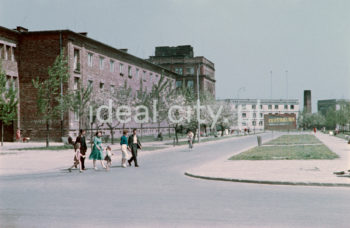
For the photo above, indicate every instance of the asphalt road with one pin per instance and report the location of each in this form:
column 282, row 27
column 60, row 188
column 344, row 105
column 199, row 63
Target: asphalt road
column 157, row 194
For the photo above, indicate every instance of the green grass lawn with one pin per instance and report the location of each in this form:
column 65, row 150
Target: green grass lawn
column 294, row 139
column 297, row 152
column 63, row 147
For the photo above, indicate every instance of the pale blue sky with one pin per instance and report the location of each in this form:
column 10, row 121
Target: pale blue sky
column 245, row 39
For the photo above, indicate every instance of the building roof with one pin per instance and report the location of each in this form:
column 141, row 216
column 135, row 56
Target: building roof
column 262, row 101
column 83, row 36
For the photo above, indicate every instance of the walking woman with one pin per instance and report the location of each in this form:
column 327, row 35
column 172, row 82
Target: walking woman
column 97, row 151
column 124, row 147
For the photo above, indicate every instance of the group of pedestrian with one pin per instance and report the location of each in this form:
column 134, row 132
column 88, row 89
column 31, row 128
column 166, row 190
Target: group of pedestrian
column 131, row 143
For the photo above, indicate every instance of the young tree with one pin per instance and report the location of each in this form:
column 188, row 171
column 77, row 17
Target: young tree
column 159, row 94
column 143, row 98
column 50, row 103
column 8, row 102
column 79, row 103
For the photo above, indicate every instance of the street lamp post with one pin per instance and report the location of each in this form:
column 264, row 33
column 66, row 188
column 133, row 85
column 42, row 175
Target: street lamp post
column 198, row 105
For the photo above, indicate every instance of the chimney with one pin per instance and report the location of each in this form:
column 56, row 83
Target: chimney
column 21, row 29
column 124, row 50
column 83, row 33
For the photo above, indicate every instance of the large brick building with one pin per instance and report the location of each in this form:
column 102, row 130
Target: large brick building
column 181, row 60
column 28, row 54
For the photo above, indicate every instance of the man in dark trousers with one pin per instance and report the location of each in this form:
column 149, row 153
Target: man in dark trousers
column 83, row 147
column 133, row 145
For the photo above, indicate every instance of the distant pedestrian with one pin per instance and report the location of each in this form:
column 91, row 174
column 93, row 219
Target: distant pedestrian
column 190, row 136
column 83, row 147
column 124, row 147
column 315, row 130
column 76, row 158
column 18, row 135
column 133, row 145
column 108, row 157
column 96, row 152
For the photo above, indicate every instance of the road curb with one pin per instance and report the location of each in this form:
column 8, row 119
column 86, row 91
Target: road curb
column 268, row 182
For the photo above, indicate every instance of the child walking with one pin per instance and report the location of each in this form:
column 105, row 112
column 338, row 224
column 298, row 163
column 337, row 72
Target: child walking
column 108, row 157
column 77, row 157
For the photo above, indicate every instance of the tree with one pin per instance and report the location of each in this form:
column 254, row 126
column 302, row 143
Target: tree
column 8, row 102
column 162, row 90
column 79, row 104
column 227, row 118
column 143, row 98
column 50, row 103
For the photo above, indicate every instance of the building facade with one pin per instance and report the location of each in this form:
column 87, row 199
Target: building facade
column 181, row 60
column 28, row 54
column 250, row 113
column 323, row 106
column 8, row 59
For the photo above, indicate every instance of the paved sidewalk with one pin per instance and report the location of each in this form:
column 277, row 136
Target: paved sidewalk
column 290, row 172
column 16, row 162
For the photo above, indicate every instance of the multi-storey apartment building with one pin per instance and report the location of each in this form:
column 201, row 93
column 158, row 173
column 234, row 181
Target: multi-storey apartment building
column 28, row 54
column 250, row 113
column 9, row 63
column 181, row 60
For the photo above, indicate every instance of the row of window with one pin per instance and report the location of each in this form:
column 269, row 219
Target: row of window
column 261, row 123
column 190, row 84
column 261, row 115
column 244, row 115
column 276, row 107
column 112, row 64
column 189, row 70
column 7, row 52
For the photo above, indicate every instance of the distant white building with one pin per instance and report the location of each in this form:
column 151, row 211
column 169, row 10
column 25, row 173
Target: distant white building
column 250, row 112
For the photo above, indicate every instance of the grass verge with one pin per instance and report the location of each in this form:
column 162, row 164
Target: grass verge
column 297, row 152
column 63, row 147
column 294, row 139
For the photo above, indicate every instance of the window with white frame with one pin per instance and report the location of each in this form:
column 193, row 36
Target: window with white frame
column 276, row 107
column 111, row 65
column 261, row 115
column 76, row 64
column 101, row 62
column 254, row 123
column 244, row 106
column 254, row 115
column 102, row 86
column 13, row 54
column 76, row 83
column 270, row 107
column 244, row 115
column 253, row 106
column 286, row 107
column 90, row 58
column 260, row 123
column 190, row 70
column 2, row 54
column 137, row 73
column 121, row 69
column 129, row 71
column 190, row 83
column 292, row 107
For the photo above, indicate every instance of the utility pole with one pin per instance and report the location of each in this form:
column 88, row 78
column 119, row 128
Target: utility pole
column 287, row 83
column 271, row 84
